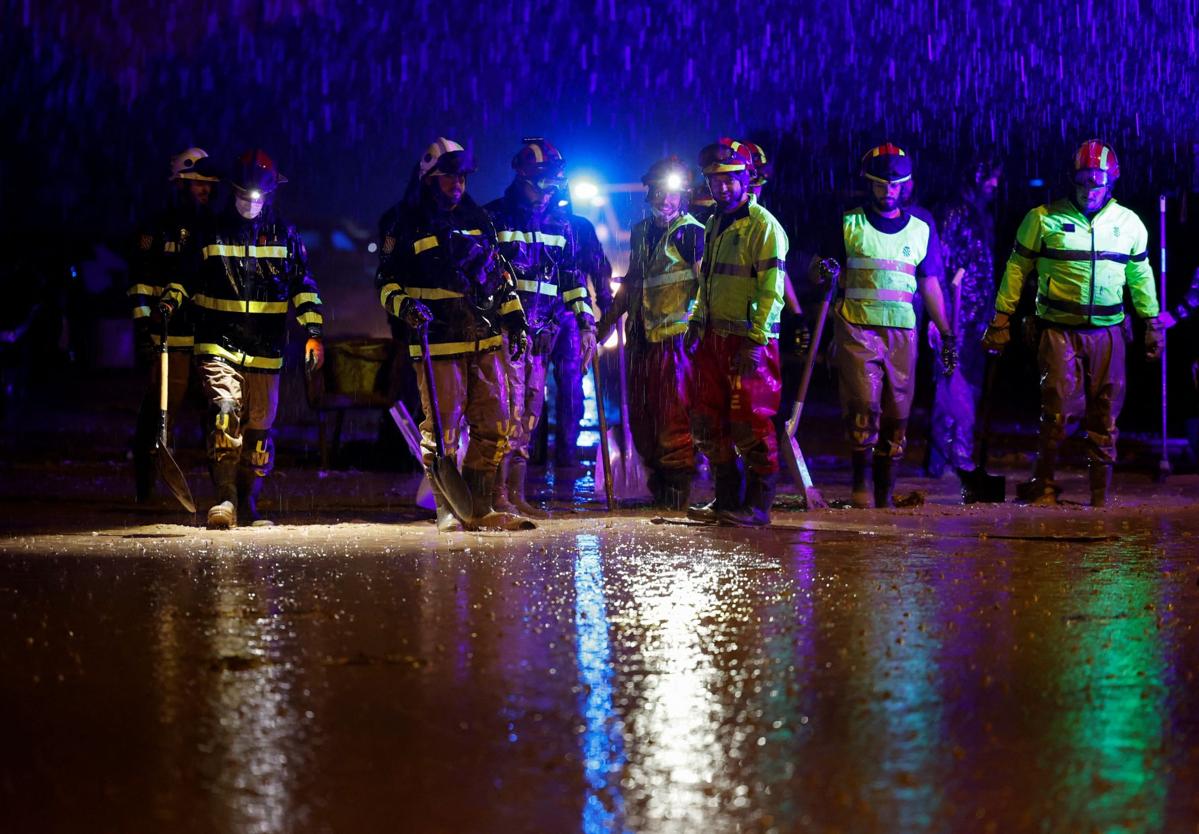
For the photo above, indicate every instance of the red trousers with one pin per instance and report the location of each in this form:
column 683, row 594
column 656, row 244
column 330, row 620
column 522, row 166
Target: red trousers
column 658, row 411
column 733, row 414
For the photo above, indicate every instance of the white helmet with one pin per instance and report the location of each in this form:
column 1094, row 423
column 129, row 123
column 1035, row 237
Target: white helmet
column 183, row 166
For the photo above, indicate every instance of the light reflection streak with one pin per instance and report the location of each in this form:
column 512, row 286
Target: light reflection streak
column 603, row 745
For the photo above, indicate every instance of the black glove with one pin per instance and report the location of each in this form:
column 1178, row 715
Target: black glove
column 692, row 337
column 828, row 270
column 414, row 314
column 949, row 352
column 1155, row 339
column 518, row 344
column 803, row 338
column 166, row 309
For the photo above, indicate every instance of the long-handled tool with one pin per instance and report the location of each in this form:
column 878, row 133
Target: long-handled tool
column 443, row 470
column 628, row 474
column 792, row 454
column 165, row 461
column 978, row 485
column 1163, row 465
column 605, row 452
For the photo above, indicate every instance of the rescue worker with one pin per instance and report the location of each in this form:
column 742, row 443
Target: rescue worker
column 658, row 293
column 1085, row 249
column 889, row 254
column 538, row 243
column 439, row 268
column 589, row 265
column 244, row 272
column 967, row 232
column 160, row 248
column 701, row 205
column 732, row 337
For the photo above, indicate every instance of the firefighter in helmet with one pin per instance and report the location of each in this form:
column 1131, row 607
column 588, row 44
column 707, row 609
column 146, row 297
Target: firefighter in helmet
column 1086, row 248
column 245, row 273
column 659, row 293
column 732, row 336
column 539, row 243
column 889, row 253
column 439, row 268
column 160, row 250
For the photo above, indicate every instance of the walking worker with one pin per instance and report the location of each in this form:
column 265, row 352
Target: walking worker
column 732, row 336
column 890, row 254
column 1086, row 248
column 438, row 269
column 246, row 270
column 658, row 294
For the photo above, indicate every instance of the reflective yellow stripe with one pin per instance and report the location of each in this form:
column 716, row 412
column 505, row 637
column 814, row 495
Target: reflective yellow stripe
column 387, row 290
column 444, row 348
column 677, row 276
column 304, row 298
column 174, row 341
column 176, row 288
column 226, row 250
column 535, row 287
column 510, row 235
column 311, row 318
column 424, row 243
column 243, row 359
column 433, row 293
column 475, row 232
column 170, row 246
column 512, row 306
column 583, row 307
column 141, row 312
column 226, row 305
column 571, row 295
column 144, row 289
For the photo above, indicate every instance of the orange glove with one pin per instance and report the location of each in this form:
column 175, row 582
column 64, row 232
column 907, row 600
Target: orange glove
column 314, row 355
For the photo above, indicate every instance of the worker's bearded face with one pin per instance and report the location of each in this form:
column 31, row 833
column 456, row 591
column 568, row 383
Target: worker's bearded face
column 729, row 190
column 448, row 189
column 1092, row 190
column 665, row 204
column 885, row 196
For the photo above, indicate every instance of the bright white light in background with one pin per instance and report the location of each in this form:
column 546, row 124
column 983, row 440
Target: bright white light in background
column 372, row 246
column 598, row 201
column 603, row 233
column 583, row 190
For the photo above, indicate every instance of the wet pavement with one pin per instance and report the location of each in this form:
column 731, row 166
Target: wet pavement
column 939, row 669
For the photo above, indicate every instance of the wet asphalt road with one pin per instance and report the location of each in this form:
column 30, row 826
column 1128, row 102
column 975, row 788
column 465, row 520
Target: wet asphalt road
column 926, row 671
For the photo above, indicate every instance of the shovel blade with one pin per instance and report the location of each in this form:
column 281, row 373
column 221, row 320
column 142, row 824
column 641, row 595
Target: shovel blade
column 446, row 477
column 981, row 487
column 174, row 478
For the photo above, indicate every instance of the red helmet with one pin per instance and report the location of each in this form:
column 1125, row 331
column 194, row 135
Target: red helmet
column 725, row 156
column 702, row 196
column 1093, row 156
column 255, row 171
column 886, row 163
column 538, row 159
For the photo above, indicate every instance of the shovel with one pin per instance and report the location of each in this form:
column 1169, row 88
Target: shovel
column 628, row 473
column 792, row 454
column 443, row 470
column 979, row 486
column 167, row 467
column 603, row 473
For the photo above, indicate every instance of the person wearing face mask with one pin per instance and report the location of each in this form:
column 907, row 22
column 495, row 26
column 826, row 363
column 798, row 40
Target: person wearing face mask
column 539, row 244
column 161, row 247
column 1086, row 248
column 732, row 337
column 889, row 254
column 966, row 228
column 658, row 293
column 241, row 277
column 438, row 268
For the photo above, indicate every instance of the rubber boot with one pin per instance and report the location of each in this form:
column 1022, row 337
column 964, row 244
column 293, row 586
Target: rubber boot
column 518, row 468
column 249, row 486
column 499, row 492
column 1101, row 482
column 728, row 495
column 483, row 517
column 674, row 489
column 759, row 498
column 861, row 498
column 884, row 480
column 223, row 514
column 447, row 522
column 1040, row 490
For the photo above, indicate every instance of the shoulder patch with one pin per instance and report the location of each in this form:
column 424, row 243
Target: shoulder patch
column 146, row 242
column 389, row 244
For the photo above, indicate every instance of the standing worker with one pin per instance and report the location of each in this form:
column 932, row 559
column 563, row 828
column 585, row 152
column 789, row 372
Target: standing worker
column 658, row 294
column 967, row 233
column 160, row 251
column 889, row 255
column 1085, row 248
column 438, row 268
column 538, row 243
column 732, row 336
column 245, row 272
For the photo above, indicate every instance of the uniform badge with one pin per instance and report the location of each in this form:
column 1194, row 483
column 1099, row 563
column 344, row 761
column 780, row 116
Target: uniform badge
column 1067, row 227
column 389, row 243
column 262, row 240
column 1116, row 231
column 146, row 242
column 907, row 251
